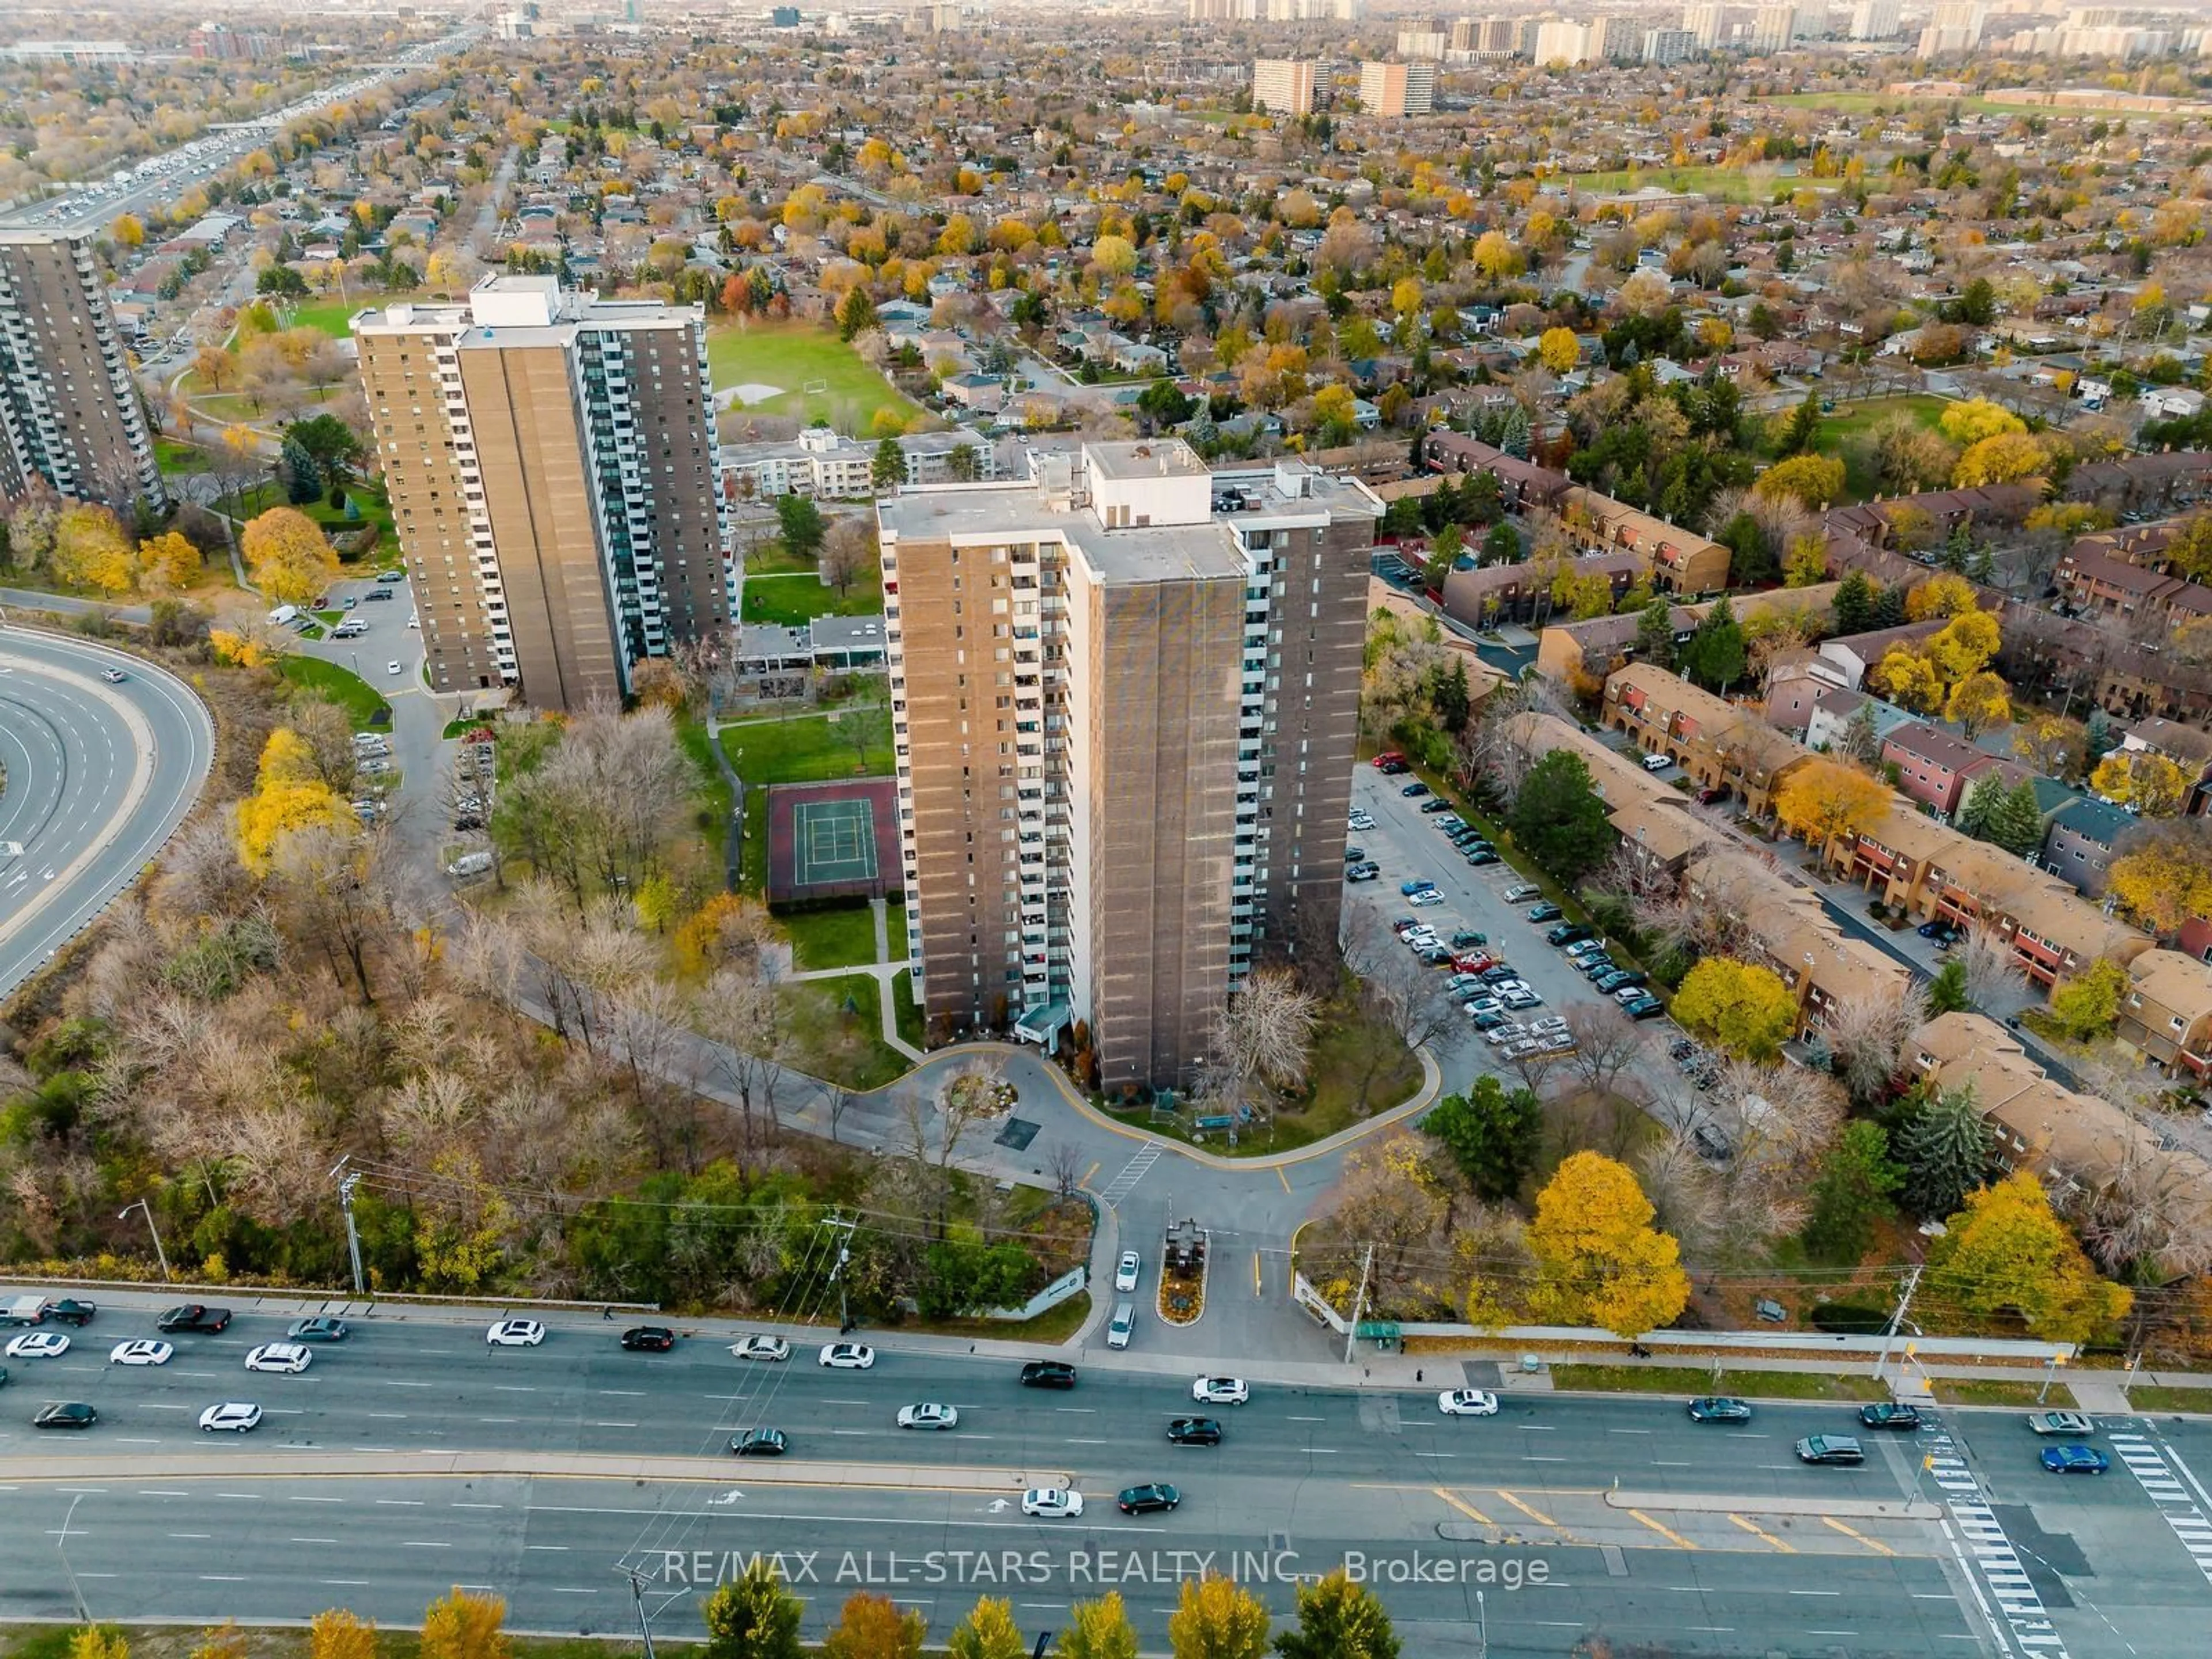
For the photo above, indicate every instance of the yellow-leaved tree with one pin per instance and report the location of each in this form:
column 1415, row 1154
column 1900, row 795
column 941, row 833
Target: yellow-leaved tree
column 1741, row 1006
column 1978, row 703
column 1963, row 646
column 1559, row 350
column 1941, row 595
column 2008, row 1254
column 336, row 1633
column 1908, row 679
column 1216, row 1618
column 288, row 794
column 289, row 558
column 91, row 551
column 1824, row 800
column 1811, row 481
column 1598, row 1259
column 2163, row 879
column 168, row 563
column 462, row 1626
column 2143, row 778
column 2007, row 456
column 1967, row 423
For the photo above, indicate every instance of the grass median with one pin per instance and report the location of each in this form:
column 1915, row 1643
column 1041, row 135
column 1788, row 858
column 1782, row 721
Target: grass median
column 1692, row 1380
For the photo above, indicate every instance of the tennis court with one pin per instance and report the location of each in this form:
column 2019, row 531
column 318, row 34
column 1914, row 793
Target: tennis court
column 832, row 841
column 835, row 843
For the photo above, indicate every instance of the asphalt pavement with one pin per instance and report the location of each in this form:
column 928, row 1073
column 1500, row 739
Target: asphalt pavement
column 99, row 777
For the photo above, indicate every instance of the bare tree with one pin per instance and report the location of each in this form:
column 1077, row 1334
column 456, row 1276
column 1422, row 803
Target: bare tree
column 1406, row 999
column 331, row 882
column 1992, row 970
column 849, row 552
column 2147, row 1214
column 836, row 1098
column 1606, row 1043
column 1262, row 1035
column 1533, row 1068
column 742, row 1015
column 648, row 1033
column 1775, row 1122
column 1065, row 1167
column 1867, row 1034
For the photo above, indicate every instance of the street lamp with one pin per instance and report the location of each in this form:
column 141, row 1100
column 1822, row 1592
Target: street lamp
column 77, row 1592
column 1482, row 1626
column 160, row 1255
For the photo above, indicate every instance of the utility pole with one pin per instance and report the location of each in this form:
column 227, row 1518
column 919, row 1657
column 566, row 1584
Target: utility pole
column 77, row 1592
column 347, row 1179
column 1897, row 1320
column 1358, row 1305
column 837, row 1273
column 160, row 1255
column 637, row 1596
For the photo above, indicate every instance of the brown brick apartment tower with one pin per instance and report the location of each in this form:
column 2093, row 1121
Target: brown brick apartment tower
column 1125, row 696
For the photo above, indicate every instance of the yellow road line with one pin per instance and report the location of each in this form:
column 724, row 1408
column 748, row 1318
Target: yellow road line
column 1087, row 1173
column 1537, row 1515
column 1281, row 1177
column 1848, row 1531
column 1665, row 1532
column 1256, row 1287
column 1465, row 1508
column 1758, row 1531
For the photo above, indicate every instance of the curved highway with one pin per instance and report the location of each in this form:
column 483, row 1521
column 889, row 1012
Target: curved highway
column 99, row 777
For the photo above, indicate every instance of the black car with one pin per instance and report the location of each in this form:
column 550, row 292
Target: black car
column 192, row 1316
column 1153, row 1496
column 759, row 1443
column 1414, row 790
column 1568, row 933
column 70, row 1416
column 1355, row 855
column 1466, row 936
column 70, row 1311
column 648, row 1338
column 1718, row 1408
column 1193, row 1431
column 1546, row 911
column 1048, row 1374
column 1391, row 768
column 374, row 593
column 1644, row 1008
column 1830, row 1449
column 1437, row 805
column 1481, row 855
column 1889, row 1416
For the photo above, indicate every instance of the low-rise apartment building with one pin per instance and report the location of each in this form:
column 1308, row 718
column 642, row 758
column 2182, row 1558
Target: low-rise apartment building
column 1721, row 744
column 1934, row 767
column 2166, row 1018
column 1682, row 562
column 829, row 467
column 2079, row 842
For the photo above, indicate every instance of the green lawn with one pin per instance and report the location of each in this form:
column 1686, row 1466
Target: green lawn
column 2145, row 1397
column 792, row 355
column 2000, row 1391
column 1868, row 103
column 794, row 601
column 1722, row 184
column 712, row 784
column 1055, row 1324
column 1689, row 1380
column 175, row 457
column 334, row 316
column 1849, row 432
column 833, row 1044
column 772, row 558
column 896, row 931
column 907, row 1012
column 362, row 703
column 842, row 938
column 805, row 749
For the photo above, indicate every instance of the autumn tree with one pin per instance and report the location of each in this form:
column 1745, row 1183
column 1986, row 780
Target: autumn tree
column 1971, row 422
column 98, row 1641
column 1599, row 1261
column 1559, row 350
column 2164, row 873
column 1945, row 594
column 288, row 557
column 1908, row 679
column 336, row 1633
column 988, row 1633
column 1812, row 481
column 2142, row 779
column 1999, row 461
column 2006, row 1253
column 1826, row 800
column 1741, row 1006
column 287, row 798
column 752, row 1617
column 2087, row 1005
column 1337, row 1619
column 1216, row 1618
column 463, row 1625
column 168, row 563
column 1098, row 1630
column 1978, row 703
column 1964, row 645
column 90, row 549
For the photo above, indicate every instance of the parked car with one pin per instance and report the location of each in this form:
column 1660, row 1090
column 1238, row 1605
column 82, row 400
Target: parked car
column 1582, row 947
column 1363, row 872
column 1464, row 937
column 1657, row 762
column 1389, row 758
column 1567, row 933
column 1417, row 884
column 1482, row 856
column 1414, row 790
column 1544, row 912
column 1436, row 805
column 1521, row 891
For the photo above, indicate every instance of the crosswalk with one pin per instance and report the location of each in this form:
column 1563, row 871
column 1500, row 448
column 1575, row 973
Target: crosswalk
column 2164, row 1488
column 1132, row 1173
column 1996, row 1562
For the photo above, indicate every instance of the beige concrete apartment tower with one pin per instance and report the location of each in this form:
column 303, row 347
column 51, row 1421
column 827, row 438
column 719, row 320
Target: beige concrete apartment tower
column 1124, row 700
column 554, row 484
column 69, row 415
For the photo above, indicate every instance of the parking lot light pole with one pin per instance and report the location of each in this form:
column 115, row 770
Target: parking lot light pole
column 160, row 1255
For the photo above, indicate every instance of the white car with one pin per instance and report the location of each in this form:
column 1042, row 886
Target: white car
column 289, row 1358
column 1484, row 1005
column 928, row 1417
column 1052, row 1503
column 515, row 1333
column 1125, row 1275
column 848, row 1356
column 38, row 1345
column 1362, row 821
column 762, row 1347
column 1221, row 1390
column 393, row 668
column 142, row 1351
column 235, row 1416
column 1426, row 895
column 1467, row 1402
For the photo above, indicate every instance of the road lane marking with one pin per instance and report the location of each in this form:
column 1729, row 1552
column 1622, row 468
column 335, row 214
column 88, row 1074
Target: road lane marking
column 424, row 1543
column 476, row 1506
column 149, row 1491
column 314, row 1500
column 562, row 1549
column 1535, row 1514
column 313, row 1540
column 1286, row 1179
column 629, row 1393
column 199, row 1537
column 1422, row 1454
column 1305, row 1419
column 564, row 1589
column 222, row 1578
column 350, row 1583
column 1465, row 1508
column 1877, row 1547
column 402, row 1503
column 614, row 1425
column 1758, row 1531
column 1085, row 1410
column 1665, row 1532
column 1805, row 1592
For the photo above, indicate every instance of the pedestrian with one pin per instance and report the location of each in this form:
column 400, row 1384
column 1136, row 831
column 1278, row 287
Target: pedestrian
column 1417, row 1376
column 606, row 1313
column 1367, row 1371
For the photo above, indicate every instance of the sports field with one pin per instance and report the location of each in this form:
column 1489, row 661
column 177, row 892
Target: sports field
column 1722, row 184
column 792, row 356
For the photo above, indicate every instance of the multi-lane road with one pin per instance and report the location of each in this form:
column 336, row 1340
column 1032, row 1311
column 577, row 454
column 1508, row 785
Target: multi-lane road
column 414, row 1456
column 99, row 776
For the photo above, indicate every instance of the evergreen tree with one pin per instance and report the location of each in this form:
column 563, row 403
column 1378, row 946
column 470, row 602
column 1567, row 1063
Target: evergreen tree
column 1852, row 1193
column 303, row 479
column 2017, row 824
column 1749, row 562
column 1889, row 608
column 2098, row 739
column 1513, row 436
column 889, row 471
column 1946, row 991
column 1502, row 545
column 1453, row 698
column 1558, row 818
column 1856, row 597
column 1948, row 1151
column 1861, row 739
column 1978, row 812
column 1655, row 635
column 1798, row 432
column 1715, row 656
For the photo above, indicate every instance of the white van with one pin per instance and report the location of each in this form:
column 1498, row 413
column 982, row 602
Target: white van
column 470, row 864
column 1124, row 1321
column 282, row 614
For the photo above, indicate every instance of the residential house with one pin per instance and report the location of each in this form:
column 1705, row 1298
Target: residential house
column 1848, row 658
column 2078, row 844
column 1722, row 745
column 1522, row 485
column 1934, row 767
column 2165, row 1018
column 1523, row 592
column 2099, row 584
column 2188, row 747
column 1601, row 644
column 1682, row 562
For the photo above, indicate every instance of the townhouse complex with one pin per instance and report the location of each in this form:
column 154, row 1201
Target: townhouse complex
column 553, row 482
column 1124, row 695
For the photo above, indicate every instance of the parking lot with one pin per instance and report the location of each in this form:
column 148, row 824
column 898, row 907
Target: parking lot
column 1407, row 845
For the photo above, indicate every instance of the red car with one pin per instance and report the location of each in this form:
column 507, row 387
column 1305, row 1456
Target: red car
column 1389, row 758
column 1475, row 962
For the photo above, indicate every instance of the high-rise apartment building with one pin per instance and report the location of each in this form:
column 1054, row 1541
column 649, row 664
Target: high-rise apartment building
column 1124, row 700
column 1486, row 37
column 1953, row 26
column 1875, row 20
column 1283, row 86
column 1429, row 44
column 1561, row 41
column 552, row 462
column 1667, row 46
column 1707, row 23
column 1774, row 28
column 70, row 413
column 1393, row 90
